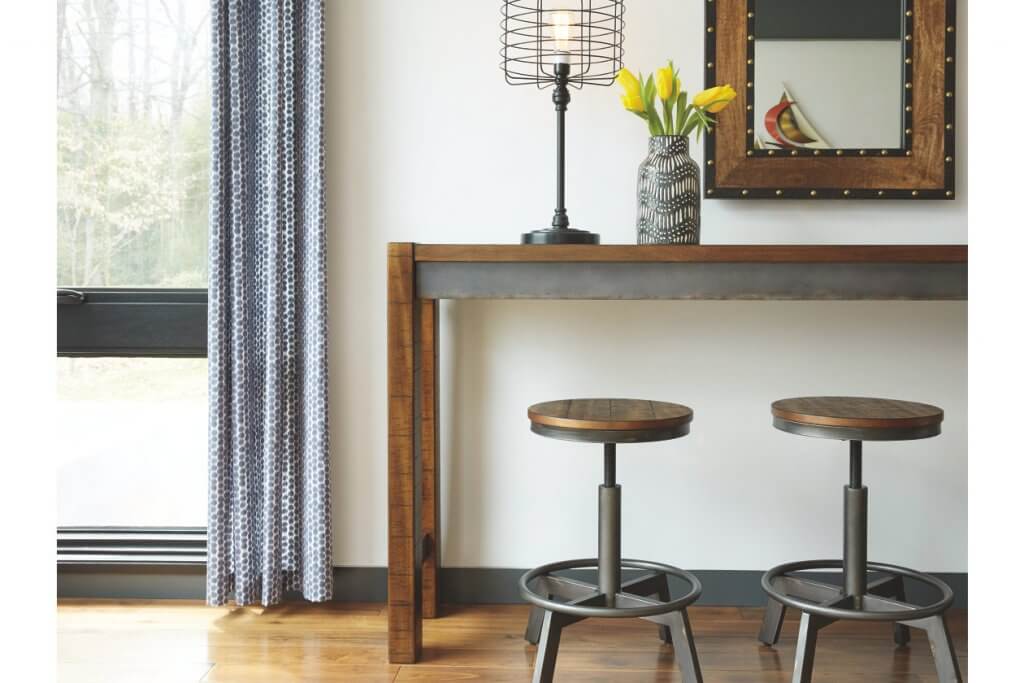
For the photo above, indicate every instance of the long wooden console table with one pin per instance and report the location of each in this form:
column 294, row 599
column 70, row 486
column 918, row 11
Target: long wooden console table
column 421, row 274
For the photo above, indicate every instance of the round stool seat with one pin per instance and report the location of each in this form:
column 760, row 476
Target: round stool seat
column 610, row 420
column 857, row 418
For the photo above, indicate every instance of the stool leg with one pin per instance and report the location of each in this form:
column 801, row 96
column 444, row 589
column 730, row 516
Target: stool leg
column 900, row 632
column 685, row 650
column 664, row 632
column 547, row 648
column 806, row 643
column 942, row 649
column 771, row 625
column 533, row 626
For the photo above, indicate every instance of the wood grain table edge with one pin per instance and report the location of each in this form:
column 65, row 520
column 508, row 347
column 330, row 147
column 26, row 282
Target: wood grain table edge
column 764, row 253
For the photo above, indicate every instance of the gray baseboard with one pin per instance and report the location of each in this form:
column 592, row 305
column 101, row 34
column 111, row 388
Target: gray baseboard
column 465, row 585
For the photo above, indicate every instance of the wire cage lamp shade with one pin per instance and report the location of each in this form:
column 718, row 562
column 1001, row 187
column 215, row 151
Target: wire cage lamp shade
column 537, row 35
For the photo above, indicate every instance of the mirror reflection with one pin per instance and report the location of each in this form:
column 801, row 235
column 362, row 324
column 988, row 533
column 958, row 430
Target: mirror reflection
column 828, row 74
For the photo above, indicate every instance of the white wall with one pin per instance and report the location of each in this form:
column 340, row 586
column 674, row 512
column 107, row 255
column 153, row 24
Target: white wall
column 427, row 143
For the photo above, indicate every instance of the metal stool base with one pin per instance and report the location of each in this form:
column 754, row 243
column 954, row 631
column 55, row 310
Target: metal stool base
column 559, row 602
column 822, row 604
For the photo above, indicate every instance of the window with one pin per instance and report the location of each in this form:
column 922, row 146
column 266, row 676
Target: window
column 133, row 155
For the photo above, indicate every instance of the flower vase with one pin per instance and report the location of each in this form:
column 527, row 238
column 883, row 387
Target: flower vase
column 668, row 193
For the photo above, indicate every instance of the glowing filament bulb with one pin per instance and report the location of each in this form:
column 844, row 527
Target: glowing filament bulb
column 561, row 30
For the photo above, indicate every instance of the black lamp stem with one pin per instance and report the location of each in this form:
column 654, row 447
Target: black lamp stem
column 560, row 232
column 560, row 97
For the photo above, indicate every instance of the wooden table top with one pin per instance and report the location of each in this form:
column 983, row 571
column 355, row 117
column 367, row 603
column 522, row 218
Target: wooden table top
column 692, row 253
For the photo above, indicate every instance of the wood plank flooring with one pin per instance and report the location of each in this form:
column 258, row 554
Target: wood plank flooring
column 185, row 641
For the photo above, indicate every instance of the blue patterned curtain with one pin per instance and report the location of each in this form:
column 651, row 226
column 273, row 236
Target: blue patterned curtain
column 269, row 508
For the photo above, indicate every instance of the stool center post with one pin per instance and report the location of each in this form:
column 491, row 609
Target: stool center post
column 855, row 529
column 609, row 548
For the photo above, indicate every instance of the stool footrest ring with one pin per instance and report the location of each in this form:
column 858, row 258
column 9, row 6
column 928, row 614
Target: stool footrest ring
column 873, row 607
column 633, row 606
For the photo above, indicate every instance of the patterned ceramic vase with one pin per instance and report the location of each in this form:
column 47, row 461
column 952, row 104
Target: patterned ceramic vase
column 668, row 193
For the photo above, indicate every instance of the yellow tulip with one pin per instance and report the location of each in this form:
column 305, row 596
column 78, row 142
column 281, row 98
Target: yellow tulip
column 714, row 100
column 629, row 83
column 633, row 103
column 664, row 79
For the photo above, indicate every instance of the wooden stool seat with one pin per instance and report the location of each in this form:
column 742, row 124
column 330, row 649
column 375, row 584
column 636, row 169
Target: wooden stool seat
column 857, row 418
column 610, row 420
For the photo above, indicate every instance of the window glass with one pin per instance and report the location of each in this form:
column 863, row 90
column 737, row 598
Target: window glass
column 133, row 122
column 131, row 441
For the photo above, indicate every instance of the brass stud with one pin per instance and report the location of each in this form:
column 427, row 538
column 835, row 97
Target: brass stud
column 863, row 152
column 909, row 13
column 885, row 152
column 750, row 152
column 750, row 107
column 908, row 60
column 771, row 152
column 908, row 37
column 711, row 162
column 793, row 153
column 711, row 29
column 710, row 191
column 846, row 193
column 750, row 15
column 949, row 93
column 814, row 193
column 744, row 193
column 913, row 193
column 711, row 65
column 908, row 85
column 908, row 108
column 750, row 61
column 750, row 36
column 839, row 152
column 778, row 193
column 949, row 160
column 949, row 29
column 949, row 193
column 817, row 152
column 949, row 60
column 910, row 152
column 881, row 193
column 907, row 131
column 750, row 131
column 750, row 84
column 949, row 126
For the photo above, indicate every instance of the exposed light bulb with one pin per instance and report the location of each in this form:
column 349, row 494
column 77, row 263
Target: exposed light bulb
column 561, row 30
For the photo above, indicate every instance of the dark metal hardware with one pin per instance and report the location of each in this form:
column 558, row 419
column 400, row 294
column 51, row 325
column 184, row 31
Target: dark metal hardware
column 70, row 297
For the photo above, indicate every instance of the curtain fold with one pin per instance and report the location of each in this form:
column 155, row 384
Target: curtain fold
column 269, row 489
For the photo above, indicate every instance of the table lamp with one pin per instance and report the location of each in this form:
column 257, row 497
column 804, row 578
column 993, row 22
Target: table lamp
column 561, row 44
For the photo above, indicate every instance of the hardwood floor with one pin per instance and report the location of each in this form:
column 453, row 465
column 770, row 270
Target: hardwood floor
column 182, row 641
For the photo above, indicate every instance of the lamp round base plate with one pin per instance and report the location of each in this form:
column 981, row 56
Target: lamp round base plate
column 561, row 236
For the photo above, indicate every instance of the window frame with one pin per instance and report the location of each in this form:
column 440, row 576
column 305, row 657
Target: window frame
column 131, row 322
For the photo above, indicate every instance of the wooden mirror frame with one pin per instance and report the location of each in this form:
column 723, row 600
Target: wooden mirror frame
column 924, row 168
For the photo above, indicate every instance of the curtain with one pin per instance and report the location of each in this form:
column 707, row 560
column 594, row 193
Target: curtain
column 269, row 490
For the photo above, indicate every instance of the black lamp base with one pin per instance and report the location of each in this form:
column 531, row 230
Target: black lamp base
column 561, row 236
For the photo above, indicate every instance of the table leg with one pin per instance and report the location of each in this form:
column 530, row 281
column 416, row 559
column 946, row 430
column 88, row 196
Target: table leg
column 405, row 625
column 429, row 455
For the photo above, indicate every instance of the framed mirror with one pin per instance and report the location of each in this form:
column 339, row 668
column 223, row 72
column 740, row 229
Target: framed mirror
column 845, row 99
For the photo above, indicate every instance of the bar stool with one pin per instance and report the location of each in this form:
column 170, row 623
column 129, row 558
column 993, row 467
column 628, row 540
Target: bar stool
column 883, row 598
column 560, row 601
